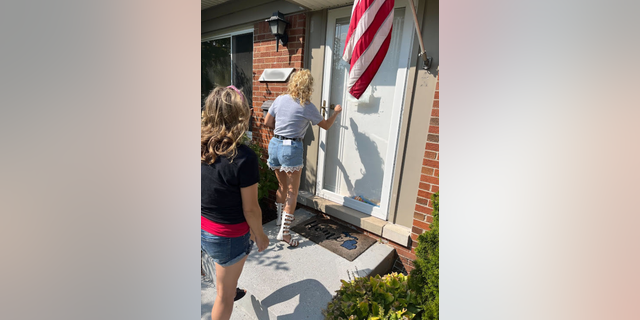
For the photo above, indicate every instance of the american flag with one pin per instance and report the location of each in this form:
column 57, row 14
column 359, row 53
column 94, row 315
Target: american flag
column 367, row 42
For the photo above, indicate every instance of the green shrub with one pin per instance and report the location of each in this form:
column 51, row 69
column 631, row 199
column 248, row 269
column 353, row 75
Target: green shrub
column 268, row 180
column 374, row 298
column 424, row 278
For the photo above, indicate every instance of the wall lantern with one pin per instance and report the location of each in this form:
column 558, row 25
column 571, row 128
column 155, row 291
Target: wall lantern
column 278, row 26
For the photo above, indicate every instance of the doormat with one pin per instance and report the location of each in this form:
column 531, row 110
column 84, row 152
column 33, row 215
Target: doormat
column 341, row 240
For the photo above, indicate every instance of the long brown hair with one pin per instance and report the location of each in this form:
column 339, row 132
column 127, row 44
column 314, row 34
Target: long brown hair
column 225, row 119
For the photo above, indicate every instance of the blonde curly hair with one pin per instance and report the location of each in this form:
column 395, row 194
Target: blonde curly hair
column 225, row 119
column 300, row 86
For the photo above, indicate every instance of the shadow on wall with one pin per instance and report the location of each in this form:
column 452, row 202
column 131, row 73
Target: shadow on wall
column 309, row 290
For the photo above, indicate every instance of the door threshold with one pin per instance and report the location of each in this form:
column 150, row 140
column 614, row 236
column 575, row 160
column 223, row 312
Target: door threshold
column 377, row 226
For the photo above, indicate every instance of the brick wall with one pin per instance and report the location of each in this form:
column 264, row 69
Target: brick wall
column 429, row 183
column 265, row 56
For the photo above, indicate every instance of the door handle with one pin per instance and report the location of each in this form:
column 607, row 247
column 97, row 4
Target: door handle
column 332, row 106
column 324, row 108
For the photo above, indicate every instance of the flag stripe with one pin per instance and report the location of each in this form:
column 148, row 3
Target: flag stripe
column 361, row 63
column 352, row 25
column 361, row 19
column 367, row 43
column 374, row 30
column 363, row 82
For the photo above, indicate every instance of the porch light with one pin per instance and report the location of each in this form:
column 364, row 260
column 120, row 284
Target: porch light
column 278, row 26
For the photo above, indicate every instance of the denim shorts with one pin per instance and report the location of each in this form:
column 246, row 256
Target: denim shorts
column 225, row 251
column 285, row 157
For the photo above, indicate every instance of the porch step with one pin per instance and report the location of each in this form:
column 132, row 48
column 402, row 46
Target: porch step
column 296, row 283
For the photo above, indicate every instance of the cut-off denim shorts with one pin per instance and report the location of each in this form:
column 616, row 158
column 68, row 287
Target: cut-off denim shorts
column 285, row 157
column 225, row 251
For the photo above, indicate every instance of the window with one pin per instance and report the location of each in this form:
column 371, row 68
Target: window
column 227, row 61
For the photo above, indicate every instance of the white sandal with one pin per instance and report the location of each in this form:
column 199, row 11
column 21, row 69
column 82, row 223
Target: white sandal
column 284, row 230
column 279, row 208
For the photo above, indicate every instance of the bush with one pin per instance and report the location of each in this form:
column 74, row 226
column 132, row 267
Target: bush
column 424, row 278
column 374, row 298
column 268, row 180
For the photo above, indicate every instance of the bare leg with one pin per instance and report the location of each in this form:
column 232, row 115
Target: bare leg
column 281, row 195
column 226, row 282
column 293, row 184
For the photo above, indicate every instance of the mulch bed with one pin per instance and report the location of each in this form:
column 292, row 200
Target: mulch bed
column 268, row 213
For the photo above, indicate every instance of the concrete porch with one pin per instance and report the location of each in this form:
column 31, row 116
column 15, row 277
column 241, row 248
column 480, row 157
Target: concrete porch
column 295, row 283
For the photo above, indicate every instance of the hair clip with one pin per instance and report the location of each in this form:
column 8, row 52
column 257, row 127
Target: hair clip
column 238, row 91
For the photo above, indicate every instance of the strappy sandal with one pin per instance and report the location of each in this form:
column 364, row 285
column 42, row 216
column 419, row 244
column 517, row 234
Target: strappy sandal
column 239, row 294
column 279, row 208
column 284, row 230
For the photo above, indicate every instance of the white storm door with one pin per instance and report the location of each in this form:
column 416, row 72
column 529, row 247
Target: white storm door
column 356, row 155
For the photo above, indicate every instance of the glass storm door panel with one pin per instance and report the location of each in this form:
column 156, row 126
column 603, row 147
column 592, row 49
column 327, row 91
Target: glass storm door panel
column 356, row 156
column 216, row 65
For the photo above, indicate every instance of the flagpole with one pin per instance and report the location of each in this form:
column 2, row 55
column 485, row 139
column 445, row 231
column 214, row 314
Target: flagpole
column 423, row 53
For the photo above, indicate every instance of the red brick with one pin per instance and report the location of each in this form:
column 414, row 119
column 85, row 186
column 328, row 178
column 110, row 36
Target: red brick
column 424, row 194
column 435, row 112
column 421, row 224
column 427, row 171
column 417, row 230
column 438, row 85
column 429, row 219
column 437, row 95
column 422, row 201
column 436, row 104
column 414, row 237
column 419, row 216
column 432, row 146
column 429, row 179
column 425, row 186
column 433, row 138
column 296, row 32
column 433, row 129
column 402, row 251
column 406, row 257
column 423, row 209
column 437, row 173
column 430, row 154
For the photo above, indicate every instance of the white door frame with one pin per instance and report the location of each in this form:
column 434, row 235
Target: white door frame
column 381, row 212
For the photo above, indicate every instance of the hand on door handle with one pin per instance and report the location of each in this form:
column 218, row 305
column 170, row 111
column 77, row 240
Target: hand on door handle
column 337, row 109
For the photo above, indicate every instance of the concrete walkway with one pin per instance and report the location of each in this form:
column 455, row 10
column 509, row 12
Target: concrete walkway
column 295, row 283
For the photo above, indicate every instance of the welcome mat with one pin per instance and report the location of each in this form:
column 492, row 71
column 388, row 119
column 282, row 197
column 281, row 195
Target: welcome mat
column 334, row 237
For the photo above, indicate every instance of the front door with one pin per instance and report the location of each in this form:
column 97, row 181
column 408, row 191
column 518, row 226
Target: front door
column 357, row 154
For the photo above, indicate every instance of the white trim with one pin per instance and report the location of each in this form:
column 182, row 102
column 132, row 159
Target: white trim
column 226, row 34
column 231, row 57
column 381, row 212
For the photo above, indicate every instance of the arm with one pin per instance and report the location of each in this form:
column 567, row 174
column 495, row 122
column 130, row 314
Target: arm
column 270, row 121
column 253, row 215
column 326, row 124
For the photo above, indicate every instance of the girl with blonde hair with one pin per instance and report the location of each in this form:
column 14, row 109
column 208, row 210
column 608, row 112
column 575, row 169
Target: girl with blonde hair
column 290, row 115
column 230, row 215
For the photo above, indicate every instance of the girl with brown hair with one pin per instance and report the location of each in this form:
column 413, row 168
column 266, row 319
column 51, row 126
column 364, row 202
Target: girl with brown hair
column 230, row 214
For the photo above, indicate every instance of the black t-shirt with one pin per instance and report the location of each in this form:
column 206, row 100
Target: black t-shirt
column 220, row 183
